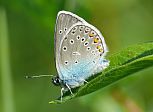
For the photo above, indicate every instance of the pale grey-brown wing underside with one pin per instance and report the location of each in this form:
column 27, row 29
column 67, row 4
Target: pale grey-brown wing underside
column 81, row 50
column 63, row 22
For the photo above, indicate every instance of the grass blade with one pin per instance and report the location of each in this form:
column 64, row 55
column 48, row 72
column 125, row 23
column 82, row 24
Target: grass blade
column 7, row 91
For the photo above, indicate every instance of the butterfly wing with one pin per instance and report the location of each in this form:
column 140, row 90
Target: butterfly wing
column 63, row 22
column 82, row 54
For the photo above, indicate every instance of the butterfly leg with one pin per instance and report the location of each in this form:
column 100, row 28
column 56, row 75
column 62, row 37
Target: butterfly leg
column 84, row 81
column 69, row 89
column 62, row 89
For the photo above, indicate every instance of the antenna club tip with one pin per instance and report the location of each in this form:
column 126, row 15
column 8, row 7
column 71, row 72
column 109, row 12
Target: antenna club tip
column 27, row 77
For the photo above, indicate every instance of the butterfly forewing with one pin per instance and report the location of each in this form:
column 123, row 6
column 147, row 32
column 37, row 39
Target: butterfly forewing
column 63, row 22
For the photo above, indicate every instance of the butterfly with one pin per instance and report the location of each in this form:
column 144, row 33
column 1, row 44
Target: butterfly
column 80, row 51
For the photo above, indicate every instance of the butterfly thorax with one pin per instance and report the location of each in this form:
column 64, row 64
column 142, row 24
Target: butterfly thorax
column 72, row 83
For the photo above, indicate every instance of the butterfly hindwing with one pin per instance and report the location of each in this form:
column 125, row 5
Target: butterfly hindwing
column 81, row 50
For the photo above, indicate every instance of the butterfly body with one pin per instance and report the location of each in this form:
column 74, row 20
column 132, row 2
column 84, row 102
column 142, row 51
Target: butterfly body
column 80, row 50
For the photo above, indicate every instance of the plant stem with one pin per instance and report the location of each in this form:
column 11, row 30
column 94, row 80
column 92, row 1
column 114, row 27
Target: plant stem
column 6, row 80
column 128, row 103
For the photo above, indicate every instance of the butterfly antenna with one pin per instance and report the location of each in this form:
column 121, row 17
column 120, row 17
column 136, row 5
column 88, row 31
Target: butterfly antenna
column 38, row 76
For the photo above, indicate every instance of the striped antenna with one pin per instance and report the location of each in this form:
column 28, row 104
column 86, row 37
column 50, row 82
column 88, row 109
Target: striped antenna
column 38, row 76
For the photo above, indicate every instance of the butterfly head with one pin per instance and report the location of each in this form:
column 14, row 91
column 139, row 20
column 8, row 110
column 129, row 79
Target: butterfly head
column 56, row 81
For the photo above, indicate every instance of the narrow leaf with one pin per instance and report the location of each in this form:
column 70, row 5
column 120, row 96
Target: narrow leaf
column 122, row 64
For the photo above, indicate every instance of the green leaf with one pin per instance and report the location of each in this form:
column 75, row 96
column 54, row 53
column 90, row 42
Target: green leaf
column 122, row 64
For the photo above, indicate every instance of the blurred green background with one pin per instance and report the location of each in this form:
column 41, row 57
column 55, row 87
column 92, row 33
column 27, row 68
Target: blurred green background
column 26, row 48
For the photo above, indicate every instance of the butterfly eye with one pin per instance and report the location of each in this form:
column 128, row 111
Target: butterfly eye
column 56, row 81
